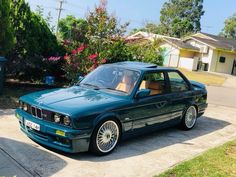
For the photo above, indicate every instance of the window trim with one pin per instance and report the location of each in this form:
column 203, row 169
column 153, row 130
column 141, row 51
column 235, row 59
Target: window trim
column 165, row 81
column 189, row 85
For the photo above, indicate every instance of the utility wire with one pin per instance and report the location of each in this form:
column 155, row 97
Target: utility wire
column 73, row 5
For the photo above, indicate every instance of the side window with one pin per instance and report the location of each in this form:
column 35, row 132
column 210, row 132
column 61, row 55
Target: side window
column 177, row 83
column 153, row 81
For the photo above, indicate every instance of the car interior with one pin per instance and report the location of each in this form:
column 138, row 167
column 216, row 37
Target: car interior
column 127, row 81
column 156, row 87
column 125, row 85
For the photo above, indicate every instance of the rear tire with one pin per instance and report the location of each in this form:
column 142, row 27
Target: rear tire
column 105, row 137
column 189, row 119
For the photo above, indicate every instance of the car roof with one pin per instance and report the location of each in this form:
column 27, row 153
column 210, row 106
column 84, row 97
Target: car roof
column 142, row 66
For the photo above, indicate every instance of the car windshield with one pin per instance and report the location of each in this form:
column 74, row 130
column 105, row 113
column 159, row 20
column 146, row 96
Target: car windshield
column 112, row 78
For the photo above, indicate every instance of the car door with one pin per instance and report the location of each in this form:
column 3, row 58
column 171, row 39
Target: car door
column 180, row 94
column 153, row 109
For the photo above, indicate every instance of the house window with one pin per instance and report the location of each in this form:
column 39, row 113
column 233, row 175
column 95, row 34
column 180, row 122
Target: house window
column 222, row 59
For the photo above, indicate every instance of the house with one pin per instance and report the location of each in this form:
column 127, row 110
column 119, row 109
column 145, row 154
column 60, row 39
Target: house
column 200, row 51
column 217, row 54
column 178, row 53
column 148, row 36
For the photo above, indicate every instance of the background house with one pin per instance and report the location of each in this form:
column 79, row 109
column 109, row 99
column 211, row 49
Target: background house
column 217, row 54
column 200, row 51
column 147, row 36
column 179, row 54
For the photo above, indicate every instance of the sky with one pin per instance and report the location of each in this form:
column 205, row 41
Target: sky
column 139, row 12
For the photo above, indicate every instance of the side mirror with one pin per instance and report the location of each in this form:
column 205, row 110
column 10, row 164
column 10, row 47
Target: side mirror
column 142, row 93
column 80, row 78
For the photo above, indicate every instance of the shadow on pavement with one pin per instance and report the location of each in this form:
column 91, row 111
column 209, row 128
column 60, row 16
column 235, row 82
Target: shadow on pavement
column 157, row 140
column 36, row 161
column 6, row 112
column 132, row 147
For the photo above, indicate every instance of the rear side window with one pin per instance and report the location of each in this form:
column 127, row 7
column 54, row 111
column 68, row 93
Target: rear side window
column 177, row 83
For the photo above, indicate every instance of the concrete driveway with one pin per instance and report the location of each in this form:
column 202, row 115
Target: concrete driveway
column 224, row 96
column 230, row 81
column 143, row 156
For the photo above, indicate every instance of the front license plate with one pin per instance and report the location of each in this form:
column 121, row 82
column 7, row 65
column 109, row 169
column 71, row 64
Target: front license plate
column 32, row 125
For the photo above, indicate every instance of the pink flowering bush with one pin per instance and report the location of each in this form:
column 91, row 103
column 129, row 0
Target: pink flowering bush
column 54, row 58
column 80, row 61
column 103, row 42
column 53, row 67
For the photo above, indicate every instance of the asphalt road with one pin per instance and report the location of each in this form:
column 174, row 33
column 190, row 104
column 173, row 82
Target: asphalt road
column 225, row 96
column 143, row 156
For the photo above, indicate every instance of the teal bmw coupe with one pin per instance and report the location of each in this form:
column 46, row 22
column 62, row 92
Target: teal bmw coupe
column 113, row 102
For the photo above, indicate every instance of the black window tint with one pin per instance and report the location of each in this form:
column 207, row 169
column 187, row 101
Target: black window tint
column 177, row 83
column 155, row 82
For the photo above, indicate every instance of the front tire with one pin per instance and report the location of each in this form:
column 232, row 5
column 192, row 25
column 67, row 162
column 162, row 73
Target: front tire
column 105, row 137
column 189, row 119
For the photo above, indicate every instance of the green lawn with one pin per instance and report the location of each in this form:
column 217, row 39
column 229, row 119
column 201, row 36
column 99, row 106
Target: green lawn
column 217, row 162
column 204, row 77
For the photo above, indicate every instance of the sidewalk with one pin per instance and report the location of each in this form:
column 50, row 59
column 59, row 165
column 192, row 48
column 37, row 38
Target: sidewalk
column 230, row 82
column 9, row 167
column 224, row 96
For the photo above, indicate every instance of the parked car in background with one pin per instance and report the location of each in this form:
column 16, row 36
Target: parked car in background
column 113, row 102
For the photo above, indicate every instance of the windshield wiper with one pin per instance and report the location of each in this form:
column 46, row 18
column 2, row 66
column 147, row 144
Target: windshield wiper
column 109, row 88
column 91, row 85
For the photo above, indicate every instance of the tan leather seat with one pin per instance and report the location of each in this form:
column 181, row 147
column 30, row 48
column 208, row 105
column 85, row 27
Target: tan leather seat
column 144, row 85
column 155, row 87
column 123, row 87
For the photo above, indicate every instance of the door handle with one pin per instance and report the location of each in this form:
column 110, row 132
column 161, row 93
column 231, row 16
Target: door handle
column 161, row 104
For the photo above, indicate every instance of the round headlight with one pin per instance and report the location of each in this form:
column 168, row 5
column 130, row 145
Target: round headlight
column 20, row 104
column 24, row 107
column 57, row 118
column 66, row 120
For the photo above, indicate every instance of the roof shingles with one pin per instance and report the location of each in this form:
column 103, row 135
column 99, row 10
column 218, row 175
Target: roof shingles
column 217, row 42
column 181, row 44
column 214, row 41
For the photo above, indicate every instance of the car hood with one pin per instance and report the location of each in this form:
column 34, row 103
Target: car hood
column 197, row 84
column 72, row 100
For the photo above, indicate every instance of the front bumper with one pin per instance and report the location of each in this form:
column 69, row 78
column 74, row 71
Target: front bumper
column 55, row 136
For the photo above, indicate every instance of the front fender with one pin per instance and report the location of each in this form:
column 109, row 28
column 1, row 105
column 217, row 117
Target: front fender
column 107, row 116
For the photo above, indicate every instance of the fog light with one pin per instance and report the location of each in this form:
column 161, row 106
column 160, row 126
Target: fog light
column 57, row 118
column 66, row 120
column 61, row 133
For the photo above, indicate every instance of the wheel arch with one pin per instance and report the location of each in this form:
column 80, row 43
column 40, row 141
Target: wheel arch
column 98, row 122
column 108, row 116
column 196, row 106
